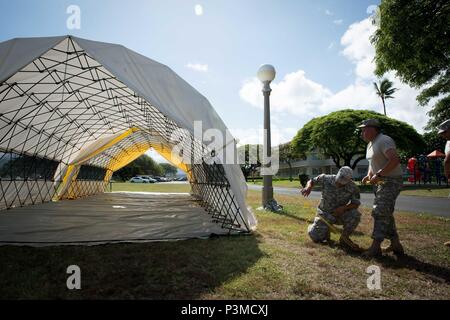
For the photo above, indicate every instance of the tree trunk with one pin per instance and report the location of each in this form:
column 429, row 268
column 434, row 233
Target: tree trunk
column 384, row 106
column 337, row 161
column 290, row 171
column 347, row 162
column 353, row 166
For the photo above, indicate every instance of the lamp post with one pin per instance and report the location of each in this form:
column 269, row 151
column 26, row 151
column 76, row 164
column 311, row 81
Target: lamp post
column 266, row 74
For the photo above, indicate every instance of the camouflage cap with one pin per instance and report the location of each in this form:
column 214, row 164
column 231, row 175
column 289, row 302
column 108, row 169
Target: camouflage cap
column 370, row 123
column 444, row 126
column 344, row 175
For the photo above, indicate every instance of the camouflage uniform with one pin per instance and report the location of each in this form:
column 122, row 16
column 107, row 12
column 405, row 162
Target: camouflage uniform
column 332, row 198
column 383, row 208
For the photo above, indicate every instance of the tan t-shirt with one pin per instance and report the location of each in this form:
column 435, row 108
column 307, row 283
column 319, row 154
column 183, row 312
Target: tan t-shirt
column 376, row 154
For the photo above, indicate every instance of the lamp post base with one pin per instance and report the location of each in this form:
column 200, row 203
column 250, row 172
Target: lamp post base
column 271, row 205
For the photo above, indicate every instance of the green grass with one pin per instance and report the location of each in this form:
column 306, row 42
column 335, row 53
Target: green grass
column 408, row 190
column 278, row 261
column 279, row 183
column 426, row 192
column 151, row 187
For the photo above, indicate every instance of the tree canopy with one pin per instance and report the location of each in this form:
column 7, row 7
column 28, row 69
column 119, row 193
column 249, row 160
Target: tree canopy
column 336, row 136
column 287, row 155
column 433, row 142
column 169, row 169
column 144, row 165
column 413, row 39
column 385, row 91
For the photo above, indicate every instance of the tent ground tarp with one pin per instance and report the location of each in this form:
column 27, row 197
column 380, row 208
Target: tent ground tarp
column 107, row 218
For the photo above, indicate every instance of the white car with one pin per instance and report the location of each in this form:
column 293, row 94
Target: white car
column 139, row 180
column 150, row 179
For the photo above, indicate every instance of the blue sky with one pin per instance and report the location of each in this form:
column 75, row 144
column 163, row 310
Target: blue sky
column 319, row 48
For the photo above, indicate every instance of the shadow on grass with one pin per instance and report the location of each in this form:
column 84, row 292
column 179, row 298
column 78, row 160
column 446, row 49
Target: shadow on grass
column 434, row 272
column 157, row 270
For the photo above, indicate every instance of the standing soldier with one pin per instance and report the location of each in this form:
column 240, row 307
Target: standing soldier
column 385, row 174
column 444, row 132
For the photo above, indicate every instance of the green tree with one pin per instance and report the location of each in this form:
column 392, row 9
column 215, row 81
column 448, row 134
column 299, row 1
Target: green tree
column 385, row 91
column 433, row 142
column 168, row 169
column 287, row 154
column 336, row 136
column 413, row 39
column 144, row 165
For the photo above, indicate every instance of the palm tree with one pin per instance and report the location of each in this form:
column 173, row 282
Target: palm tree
column 385, row 91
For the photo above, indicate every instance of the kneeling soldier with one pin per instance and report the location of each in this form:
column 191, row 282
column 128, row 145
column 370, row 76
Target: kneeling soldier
column 338, row 205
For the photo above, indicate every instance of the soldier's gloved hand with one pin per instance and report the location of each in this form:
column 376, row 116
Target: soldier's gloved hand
column 365, row 180
column 339, row 211
column 306, row 191
column 374, row 180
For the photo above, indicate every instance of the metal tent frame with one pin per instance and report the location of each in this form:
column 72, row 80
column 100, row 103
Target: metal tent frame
column 67, row 123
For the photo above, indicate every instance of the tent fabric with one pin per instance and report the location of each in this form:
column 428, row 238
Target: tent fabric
column 436, row 154
column 73, row 111
column 16, row 53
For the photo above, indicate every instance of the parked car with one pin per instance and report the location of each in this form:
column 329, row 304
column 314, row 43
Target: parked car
column 139, row 180
column 150, row 179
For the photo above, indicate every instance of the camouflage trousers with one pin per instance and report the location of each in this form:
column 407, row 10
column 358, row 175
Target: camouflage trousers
column 318, row 231
column 383, row 208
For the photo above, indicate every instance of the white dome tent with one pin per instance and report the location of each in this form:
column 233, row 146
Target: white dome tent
column 73, row 111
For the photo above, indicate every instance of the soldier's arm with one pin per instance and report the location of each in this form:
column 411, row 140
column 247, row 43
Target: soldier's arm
column 318, row 179
column 354, row 203
column 393, row 162
column 341, row 210
column 310, row 184
column 356, row 198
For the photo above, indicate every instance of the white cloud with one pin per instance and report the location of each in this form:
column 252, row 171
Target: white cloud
column 279, row 134
column 294, row 94
column 371, row 9
column 297, row 95
column 331, row 45
column 198, row 10
column 329, row 13
column 358, row 49
column 198, row 67
column 338, row 21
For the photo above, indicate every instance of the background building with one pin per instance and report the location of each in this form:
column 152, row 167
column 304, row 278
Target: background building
column 315, row 164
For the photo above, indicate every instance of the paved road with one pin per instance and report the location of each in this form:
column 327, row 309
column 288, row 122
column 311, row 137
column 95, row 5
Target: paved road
column 433, row 205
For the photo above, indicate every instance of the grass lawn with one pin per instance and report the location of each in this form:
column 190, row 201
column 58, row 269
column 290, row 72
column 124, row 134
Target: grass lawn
column 279, row 183
column 408, row 190
column 151, row 187
column 278, row 261
column 426, row 192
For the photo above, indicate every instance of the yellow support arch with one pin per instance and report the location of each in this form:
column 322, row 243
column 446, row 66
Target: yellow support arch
column 71, row 176
column 120, row 160
column 167, row 154
column 127, row 156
